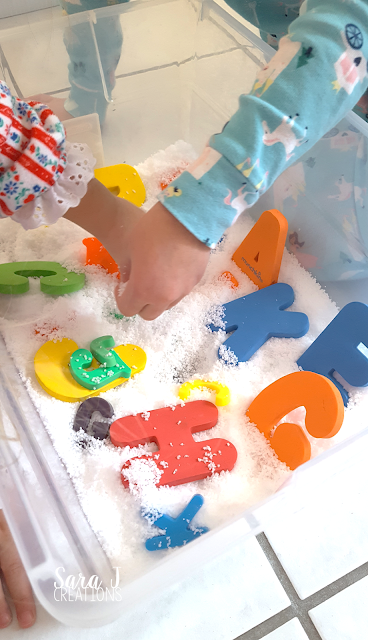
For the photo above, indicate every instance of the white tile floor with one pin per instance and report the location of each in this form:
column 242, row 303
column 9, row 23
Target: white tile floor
column 292, row 630
column 317, row 546
column 298, row 588
column 345, row 616
column 219, row 602
column 16, row 7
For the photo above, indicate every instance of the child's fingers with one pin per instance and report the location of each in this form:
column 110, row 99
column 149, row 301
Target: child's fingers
column 124, row 273
column 124, row 269
column 149, row 302
column 148, row 306
column 5, row 613
column 173, row 304
column 20, row 590
column 15, row 577
column 128, row 302
column 130, row 305
column 152, row 311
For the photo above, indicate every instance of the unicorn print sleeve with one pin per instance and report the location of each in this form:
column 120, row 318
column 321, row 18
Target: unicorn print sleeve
column 318, row 74
column 41, row 175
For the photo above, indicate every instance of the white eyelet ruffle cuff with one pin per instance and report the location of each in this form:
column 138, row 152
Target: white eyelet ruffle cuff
column 67, row 191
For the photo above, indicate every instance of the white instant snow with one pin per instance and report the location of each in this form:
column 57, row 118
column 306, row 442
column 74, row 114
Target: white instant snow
column 179, row 347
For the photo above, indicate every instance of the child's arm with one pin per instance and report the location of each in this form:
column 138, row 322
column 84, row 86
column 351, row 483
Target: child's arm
column 107, row 217
column 318, row 74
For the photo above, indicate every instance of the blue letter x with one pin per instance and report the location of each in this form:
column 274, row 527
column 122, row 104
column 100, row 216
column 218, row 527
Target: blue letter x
column 177, row 532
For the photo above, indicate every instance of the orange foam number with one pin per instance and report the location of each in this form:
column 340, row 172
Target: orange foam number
column 259, row 255
column 324, row 414
column 98, row 255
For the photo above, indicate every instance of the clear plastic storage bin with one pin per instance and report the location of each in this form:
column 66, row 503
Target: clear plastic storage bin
column 183, row 65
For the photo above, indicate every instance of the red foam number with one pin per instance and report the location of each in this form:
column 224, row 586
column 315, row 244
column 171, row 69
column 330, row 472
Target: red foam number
column 179, row 457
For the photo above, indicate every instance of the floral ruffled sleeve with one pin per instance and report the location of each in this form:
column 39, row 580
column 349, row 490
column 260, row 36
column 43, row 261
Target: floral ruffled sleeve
column 41, row 175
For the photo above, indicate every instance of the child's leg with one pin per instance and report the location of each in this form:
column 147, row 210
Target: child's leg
column 273, row 24
column 88, row 94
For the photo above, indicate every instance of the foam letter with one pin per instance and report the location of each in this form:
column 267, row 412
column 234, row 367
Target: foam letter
column 177, row 532
column 112, row 367
column 123, row 181
column 52, row 370
column 99, row 256
column 222, row 391
column 55, row 279
column 259, row 316
column 98, row 429
column 324, row 414
column 259, row 255
column 100, row 349
column 179, row 458
column 337, row 348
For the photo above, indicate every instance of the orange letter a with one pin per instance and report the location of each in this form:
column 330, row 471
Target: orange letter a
column 259, row 255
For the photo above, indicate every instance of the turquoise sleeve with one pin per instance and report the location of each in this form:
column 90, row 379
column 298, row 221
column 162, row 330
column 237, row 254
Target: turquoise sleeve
column 317, row 75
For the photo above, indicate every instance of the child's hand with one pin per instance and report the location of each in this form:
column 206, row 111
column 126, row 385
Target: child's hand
column 17, row 583
column 161, row 262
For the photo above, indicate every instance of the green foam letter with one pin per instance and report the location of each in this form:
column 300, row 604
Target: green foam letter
column 55, row 279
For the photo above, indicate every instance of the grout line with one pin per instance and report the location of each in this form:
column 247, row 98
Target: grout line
column 298, row 608
column 176, row 63
column 52, row 93
column 335, row 587
column 23, row 13
column 244, row 48
column 167, row 65
column 261, row 630
column 320, row 596
column 5, row 66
